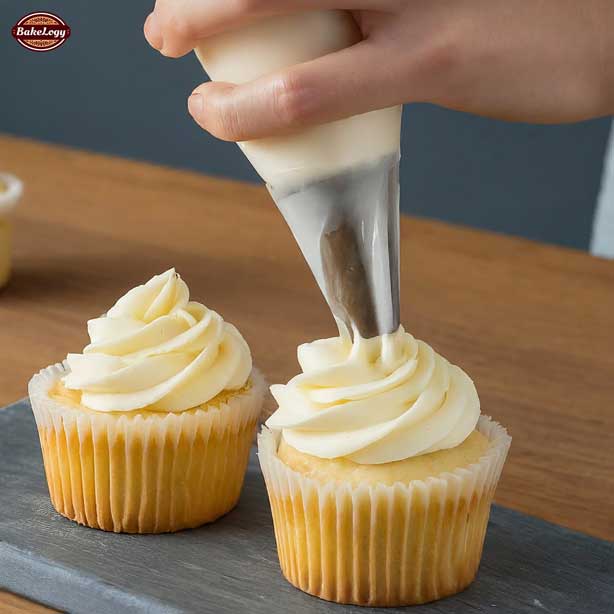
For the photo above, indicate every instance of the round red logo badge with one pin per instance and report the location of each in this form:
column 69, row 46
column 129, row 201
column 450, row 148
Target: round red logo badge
column 41, row 31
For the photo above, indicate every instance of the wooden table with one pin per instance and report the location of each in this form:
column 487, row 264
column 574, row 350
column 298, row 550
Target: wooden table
column 532, row 324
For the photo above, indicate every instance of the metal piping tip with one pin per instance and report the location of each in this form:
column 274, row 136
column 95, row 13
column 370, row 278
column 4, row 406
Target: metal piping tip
column 347, row 227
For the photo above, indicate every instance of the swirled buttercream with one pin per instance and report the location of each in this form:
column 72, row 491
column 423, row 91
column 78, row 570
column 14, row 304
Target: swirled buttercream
column 374, row 400
column 158, row 350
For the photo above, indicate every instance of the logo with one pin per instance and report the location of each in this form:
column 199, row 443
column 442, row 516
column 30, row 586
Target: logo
column 41, row 31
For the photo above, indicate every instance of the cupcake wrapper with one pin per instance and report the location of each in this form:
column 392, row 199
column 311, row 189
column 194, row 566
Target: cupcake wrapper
column 383, row 545
column 144, row 472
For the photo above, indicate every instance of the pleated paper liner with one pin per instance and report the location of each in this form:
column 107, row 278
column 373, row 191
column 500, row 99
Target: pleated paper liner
column 383, row 545
column 147, row 472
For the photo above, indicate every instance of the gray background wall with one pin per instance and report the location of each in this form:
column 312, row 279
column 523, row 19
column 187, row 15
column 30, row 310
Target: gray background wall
column 106, row 90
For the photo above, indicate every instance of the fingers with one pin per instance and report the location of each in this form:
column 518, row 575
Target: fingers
column 175, row 26
column 152, row 32
column 348, row 82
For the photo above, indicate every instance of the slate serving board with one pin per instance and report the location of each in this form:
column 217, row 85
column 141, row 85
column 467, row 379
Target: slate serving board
column 231, row 566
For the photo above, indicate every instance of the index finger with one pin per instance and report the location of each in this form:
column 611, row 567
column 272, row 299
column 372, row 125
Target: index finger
column 176, row 26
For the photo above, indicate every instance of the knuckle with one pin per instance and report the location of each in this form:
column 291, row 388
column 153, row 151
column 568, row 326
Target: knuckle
column 437, row 64
column 177, row 32
column 225, row 124
column 179, row 27
column 444, row 52
column 291, row 100
column 228, row 130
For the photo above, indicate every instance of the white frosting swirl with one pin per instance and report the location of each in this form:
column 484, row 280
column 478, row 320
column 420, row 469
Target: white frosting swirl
column 375, row 400
column 157, row 349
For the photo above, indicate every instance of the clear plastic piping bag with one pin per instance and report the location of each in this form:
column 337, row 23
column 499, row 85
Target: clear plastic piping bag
column 347, row 227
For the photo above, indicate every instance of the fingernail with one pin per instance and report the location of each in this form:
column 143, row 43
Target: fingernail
column 152, row 32
column 195, row 104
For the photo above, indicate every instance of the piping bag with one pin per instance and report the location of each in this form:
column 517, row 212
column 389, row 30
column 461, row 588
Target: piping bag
column 336, row 184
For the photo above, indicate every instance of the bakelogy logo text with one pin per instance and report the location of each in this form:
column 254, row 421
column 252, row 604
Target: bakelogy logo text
column 41, row 31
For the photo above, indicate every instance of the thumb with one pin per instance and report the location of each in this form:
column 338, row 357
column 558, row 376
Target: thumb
column 344, row 83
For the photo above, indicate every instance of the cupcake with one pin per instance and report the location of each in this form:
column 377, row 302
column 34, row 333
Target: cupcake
column 148, row 430
column 380, row 472
column 10, row 192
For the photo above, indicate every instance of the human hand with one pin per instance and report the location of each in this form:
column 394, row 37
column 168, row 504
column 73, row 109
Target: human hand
column 544, row 62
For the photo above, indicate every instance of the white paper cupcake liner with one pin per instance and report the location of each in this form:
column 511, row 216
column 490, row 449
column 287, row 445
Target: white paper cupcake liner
column 383, row 545
column 144, row 472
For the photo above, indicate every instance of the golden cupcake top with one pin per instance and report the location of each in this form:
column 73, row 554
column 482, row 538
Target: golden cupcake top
column 158, row 350
column 373, row 401
column 403, row 471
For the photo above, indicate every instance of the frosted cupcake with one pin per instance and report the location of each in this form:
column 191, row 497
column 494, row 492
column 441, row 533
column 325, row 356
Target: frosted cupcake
column 149, row 429
column 380, row 472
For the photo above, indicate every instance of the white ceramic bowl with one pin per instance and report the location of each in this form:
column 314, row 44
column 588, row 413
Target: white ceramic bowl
column 11, row 189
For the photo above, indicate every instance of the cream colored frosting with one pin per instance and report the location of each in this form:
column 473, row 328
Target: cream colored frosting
column 272, row 43
column 375, row 400
column 157, row 349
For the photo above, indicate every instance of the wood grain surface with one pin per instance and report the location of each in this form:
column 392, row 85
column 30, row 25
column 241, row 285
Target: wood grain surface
column 532, row 324
column 12, row 604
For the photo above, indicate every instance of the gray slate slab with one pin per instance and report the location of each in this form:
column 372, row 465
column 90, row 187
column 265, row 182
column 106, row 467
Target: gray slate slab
column 231, row 566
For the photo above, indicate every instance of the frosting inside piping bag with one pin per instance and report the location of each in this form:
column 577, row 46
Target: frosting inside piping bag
column 336, row 184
